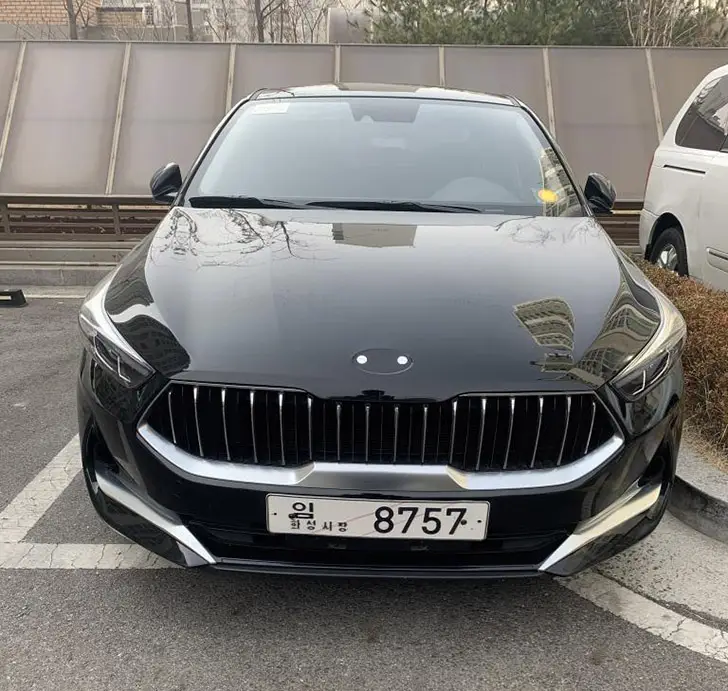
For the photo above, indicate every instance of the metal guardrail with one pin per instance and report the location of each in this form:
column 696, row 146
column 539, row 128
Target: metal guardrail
column 88, row 218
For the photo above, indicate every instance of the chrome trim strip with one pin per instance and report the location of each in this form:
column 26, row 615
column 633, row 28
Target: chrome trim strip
column 538, row 429
column 635, row 501
column 280, row 427
column 591, row 425
column 566, row 430
column 396, row 430
column 357, row 476
column 252, row 425
column 223, row 396
column 366, row 434
column 338, row 431
column 195, row 393
column 171, row 416
column 484, row 405
column 510, row 431
column 454, row 427
column 169, row 524
column 310, row 428
column 424, row 432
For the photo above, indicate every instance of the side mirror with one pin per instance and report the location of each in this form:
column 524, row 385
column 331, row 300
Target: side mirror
column 165, row 183
column 600, row 193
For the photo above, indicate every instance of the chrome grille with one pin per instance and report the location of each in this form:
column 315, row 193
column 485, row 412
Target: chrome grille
column 471, row 433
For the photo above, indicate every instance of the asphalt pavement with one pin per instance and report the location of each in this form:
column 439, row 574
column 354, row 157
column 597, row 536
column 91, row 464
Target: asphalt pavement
column 650, row 619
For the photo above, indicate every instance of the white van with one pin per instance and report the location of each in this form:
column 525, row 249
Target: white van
column 684, row 223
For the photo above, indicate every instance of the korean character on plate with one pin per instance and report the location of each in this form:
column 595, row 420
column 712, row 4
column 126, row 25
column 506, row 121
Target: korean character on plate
column 327, row 525
column 295, row 524
column 342, row 527
column 311, row 525
column 299, row 509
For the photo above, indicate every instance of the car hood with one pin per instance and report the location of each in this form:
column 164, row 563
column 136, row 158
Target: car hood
column 290, row 298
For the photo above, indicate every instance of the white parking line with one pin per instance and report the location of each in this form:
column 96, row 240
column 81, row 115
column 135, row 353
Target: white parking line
column 35, row 499
column 26, row 555
column 648, row 615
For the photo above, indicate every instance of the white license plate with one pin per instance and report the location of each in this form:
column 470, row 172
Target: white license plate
column 414, row 520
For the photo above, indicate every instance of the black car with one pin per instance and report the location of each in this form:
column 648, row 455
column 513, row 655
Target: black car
column 380, row 332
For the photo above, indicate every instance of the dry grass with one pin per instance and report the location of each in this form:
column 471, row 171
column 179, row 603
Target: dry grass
column 705, row 359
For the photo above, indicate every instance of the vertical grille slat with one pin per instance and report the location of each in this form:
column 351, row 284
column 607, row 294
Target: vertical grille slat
column 252, row 425
column 171, row 417
column 195, row 394
column 424, row 433
column 338, row 431
column 396, row 430
column 591, row 426
column 566, row 430
column 510, row 431
column 538, row 431
column 484, row 408
column 366, row 434
column 309, row 405
column 453, row 429
column 280, row 427
column 474, row 433
column 223, row 396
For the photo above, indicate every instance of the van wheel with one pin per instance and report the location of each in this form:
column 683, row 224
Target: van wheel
column 669, row 252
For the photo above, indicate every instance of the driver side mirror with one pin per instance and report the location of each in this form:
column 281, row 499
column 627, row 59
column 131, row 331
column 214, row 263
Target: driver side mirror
column 600, row 194
column 165, row 183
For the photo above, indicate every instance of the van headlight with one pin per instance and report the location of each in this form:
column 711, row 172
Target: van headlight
column 106, row 345
column 648, row 367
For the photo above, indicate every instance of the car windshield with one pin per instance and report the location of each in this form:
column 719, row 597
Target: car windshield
column 393, row 152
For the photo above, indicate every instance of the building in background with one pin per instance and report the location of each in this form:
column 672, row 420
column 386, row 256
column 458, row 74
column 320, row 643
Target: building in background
column 270, row 21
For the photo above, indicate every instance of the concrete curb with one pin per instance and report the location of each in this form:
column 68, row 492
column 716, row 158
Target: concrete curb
column 58, row 274
column 700, row 495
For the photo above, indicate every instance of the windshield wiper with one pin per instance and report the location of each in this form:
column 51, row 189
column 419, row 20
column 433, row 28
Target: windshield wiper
column 387, row 205
column 232, row 202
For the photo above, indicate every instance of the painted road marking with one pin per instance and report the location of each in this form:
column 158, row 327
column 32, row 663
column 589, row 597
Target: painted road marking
column 649, row 616
column 27, row 555
column 56, row 292
column 35, row 499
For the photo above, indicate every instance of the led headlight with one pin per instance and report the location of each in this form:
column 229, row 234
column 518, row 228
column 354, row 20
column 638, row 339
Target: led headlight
column 105, row 343
column 650, row 365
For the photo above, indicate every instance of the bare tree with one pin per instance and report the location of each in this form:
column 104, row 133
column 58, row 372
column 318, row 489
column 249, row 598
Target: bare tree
column 280, row 21
column 79, row 13
column 190, row 26
column 72, row 22
column 224, row 20
column 671, row 22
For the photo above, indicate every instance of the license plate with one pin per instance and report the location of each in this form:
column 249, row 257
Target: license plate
column 414, row 520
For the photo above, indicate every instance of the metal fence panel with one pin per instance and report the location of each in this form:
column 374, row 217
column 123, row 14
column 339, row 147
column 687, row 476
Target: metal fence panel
column 678, row 71
column 61, row 130
column 507, row 70
column 175, row 96
column 605, row 119
column 8, row 61
column 260, row 65
column 390, row 64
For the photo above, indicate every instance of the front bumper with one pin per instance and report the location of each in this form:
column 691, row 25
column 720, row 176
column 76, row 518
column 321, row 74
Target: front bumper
column 167, row 534
column 533, row 530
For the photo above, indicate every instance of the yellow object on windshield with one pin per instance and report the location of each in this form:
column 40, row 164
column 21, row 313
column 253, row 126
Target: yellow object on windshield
column 548, row 196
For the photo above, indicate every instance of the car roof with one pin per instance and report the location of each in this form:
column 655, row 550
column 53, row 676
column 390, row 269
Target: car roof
column 721, row 71
column 362, row 89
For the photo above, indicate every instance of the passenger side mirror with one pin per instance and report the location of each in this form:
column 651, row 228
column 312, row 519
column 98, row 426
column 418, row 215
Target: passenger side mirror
column 600, row 194
column 165, row 183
